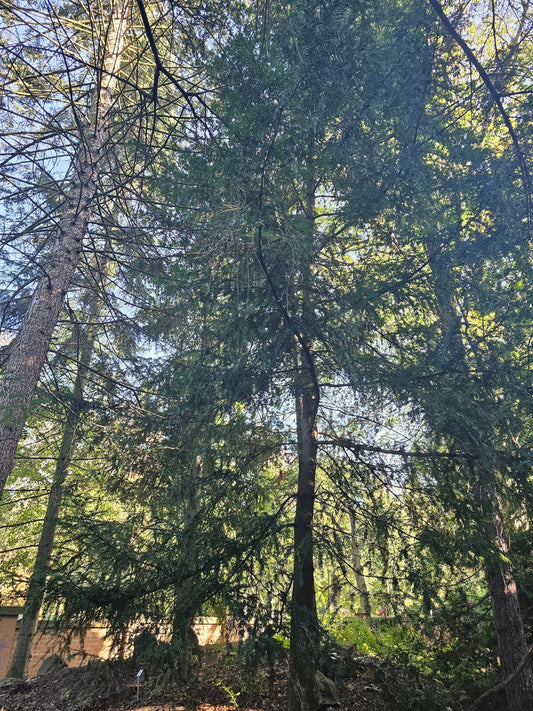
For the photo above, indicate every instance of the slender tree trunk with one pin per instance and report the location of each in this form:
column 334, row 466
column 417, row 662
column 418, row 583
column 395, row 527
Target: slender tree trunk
column 28, row 351
column 304, row 623
column 360, row 580
column 304, row 642
column 185, row 605
column 34, row 598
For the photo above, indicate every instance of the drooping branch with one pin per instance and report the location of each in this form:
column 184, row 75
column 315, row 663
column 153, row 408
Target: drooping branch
column 357, row 447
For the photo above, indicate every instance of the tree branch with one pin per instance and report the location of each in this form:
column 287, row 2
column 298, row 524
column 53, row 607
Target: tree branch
column 508, row 679
column 161, row 69
column 496, row 97
column 356, row 447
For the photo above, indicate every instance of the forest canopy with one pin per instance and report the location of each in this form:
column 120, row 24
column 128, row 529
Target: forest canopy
column 265, row 328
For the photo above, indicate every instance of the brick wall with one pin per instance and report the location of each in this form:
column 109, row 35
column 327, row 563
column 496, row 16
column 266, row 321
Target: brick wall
column 94, row 644
column 47, row 642
column 8, row 635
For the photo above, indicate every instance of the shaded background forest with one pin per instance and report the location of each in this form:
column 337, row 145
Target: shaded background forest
column 265, row 322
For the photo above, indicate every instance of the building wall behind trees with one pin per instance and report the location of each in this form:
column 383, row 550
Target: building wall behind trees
column 95, row 643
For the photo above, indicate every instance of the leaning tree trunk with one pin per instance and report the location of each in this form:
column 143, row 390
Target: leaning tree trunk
column 34, row 598
column 304, row 635
column 36, row 588
column 28, row 350
column 507, row 618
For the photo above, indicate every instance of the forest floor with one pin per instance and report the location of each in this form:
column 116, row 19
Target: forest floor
column 220, row 683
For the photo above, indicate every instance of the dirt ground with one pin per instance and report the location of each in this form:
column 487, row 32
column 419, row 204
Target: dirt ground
column 219, row 684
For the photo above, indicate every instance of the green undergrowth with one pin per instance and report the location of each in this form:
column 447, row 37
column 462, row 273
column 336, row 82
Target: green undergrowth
column 406, row 666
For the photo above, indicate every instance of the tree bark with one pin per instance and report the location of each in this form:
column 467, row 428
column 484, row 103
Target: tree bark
column 37, row 585
column 304, row 622
column 28, row 351
column 508, row 623
column 304, row 642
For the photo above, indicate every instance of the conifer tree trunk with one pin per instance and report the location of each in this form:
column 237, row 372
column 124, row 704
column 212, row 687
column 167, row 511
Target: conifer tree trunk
column 185, row 605
column 304, row 624
column 304, row 642
column 501, row 581
column 34, row 598
column 28, row 350
column 507, row 616
column 508, row 623
column 360, row 580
